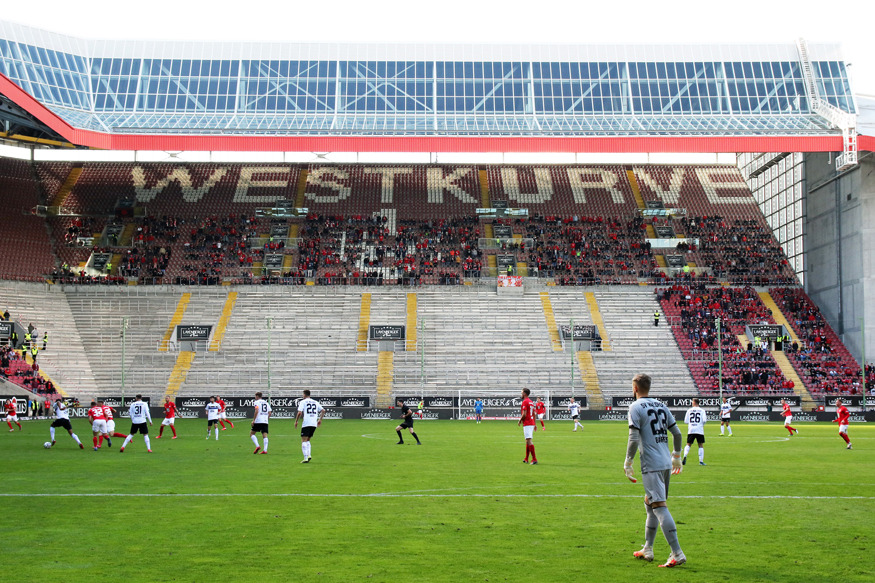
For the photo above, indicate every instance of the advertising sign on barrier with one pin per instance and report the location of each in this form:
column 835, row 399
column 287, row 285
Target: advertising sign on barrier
column 712, row 402
column 510, row 281
column 387, row 332
column 5, row 330
column 193, row 333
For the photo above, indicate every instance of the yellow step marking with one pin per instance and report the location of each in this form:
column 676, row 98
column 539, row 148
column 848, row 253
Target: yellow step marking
column 175, row 320
column 179, row 372
column 553, row 331
column 364, row 322
column 596, row 315
column 222, row 326
column 411, row 322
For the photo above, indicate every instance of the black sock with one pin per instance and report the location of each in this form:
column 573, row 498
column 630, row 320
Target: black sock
column 400, row 437
column 414, row 436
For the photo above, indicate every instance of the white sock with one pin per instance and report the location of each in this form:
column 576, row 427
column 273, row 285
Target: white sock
column 701, row 454
column 721, row 430
column 730, row 430
column 254, row 440
column 265, row 445
column 127, row 440
column 686, row 450
column 52, row 433
column 217, row 432
column 304, row 448
column 148, row 444
column 76, row 437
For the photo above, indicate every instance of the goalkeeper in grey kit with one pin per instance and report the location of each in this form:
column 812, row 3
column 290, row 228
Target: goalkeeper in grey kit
column 650, row 422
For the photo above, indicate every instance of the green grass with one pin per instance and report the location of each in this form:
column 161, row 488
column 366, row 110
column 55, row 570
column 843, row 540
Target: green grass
column 462, row 507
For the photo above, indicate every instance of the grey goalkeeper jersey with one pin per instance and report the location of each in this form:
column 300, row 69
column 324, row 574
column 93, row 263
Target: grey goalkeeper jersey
column 653, row 421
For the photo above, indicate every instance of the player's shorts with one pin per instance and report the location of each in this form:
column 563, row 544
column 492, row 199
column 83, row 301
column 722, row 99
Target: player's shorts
column 575, row 417
column 406, row 424
column 168, row 421
column 98, row 426
column 724, row 420
column 697, row 437
column 308, row 431
column 211, row 422
column 222, row 415
column 528, row 431
column 12, row 418
column 843, row 428
column 540, row 416
column 656, row 485
column 65, row 423
column 478, row 411
column 259, row 427
column 139, row 428
column 110, row 425
column 788, row 420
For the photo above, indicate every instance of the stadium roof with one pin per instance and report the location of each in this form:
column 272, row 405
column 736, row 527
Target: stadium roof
column 137, row 95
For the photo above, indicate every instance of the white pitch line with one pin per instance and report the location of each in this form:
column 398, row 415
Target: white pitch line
column 408, row 495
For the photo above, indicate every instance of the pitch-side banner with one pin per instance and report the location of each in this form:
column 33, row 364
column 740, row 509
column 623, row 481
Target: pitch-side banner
column 711, row 402
column 241, row 407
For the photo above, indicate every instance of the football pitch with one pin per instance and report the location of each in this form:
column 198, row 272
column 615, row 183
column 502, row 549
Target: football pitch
column 461, row 507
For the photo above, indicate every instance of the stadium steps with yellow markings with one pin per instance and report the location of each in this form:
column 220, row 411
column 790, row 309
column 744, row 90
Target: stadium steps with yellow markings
column 364, row 321
column 222, row 326
column 484, row 190
column 590, row 378
column 181, row 306
column 790, row 373
column 550, row 320
column 179, row 373
column 598, row 321
column 636, row 189
column 301, row 189
column 385, row 378
column 777, row 314
column 67, row 187
column 411, row 322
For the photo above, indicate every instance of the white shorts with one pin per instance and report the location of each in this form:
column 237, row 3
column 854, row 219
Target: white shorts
column 12, row 418
column 222, row 415
column 168, row 421
column 99, row 426
column 788, row 420
column 110, row 425
column 843, row 428
column 528, row 431
column 540, row 416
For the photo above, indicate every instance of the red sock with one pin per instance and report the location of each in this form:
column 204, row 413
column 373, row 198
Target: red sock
column 222, row 423
column 94, row 439
column 19, row 424
column 9, row 423
column 845, row 437
column 173, row 429
column 527, row 451
column 542, row 425
column 117, row 434
column 161, row 431
column 534, row 458
column 790, row 429
column 100, row 441
column 231, row 424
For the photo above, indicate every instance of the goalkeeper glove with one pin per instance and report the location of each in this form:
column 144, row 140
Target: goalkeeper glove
column 676, row 466
column 630, row 473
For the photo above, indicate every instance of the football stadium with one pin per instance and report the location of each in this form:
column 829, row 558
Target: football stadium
column 415, row 234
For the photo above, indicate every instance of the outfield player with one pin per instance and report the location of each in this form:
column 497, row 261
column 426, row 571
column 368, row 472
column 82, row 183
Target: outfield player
column 12, row 413
column 213, row 408
column 478, row 410
column 260, row 419
column 527, row 420
column 695, row 419
column 62, row 419
column 650, row 422
column 842, row 418
column 574, row 409
column 541, row 412
column 169, row 417
column 110, row 424
column 98, row 424
column 406, row 423
column 725, row 416
column 788, row 418
column 139, row 412
column 420, row 408
column 310, row 412
column 223, row 417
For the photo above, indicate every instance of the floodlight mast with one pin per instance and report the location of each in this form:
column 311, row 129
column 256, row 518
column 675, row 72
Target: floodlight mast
column 269, row 321
column 572, row 355
column 125, row 322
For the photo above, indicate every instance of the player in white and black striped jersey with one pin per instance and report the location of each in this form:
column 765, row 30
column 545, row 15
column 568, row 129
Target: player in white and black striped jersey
column 695, row 419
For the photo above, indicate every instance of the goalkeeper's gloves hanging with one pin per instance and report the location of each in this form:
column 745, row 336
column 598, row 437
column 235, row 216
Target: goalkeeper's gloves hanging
column 630, row 473
column 676, row 465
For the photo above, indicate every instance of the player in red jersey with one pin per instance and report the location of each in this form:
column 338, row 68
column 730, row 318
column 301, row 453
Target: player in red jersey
column 11, row 413
column 842, row 418
column 169, row 417
column 541, row 412
column 222, row 416
column 110, row 424
column 98, row 424
column 788, row 418
column 527, row 420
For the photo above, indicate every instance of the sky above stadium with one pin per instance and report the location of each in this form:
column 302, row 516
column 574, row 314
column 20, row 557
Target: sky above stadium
column 468, row 21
